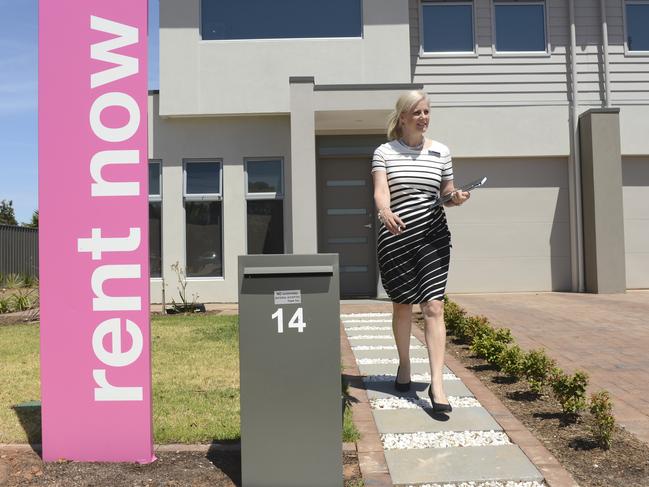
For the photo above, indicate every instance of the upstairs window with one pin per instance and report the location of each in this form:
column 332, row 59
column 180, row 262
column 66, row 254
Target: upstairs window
column 280, row 19
column 637, row 25
column 447, row 26
column 520, row 26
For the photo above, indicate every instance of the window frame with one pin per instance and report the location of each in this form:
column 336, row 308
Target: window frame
column 495, row 53
column 202, row 196
column 443, row 54
column 628, row 52
column 264, row 196
column 157, row 198
column 199, row 198
column 280, row 39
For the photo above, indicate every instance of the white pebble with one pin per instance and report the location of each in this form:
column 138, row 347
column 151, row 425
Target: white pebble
column 371, row 328
column 443, row 439
column 385, row 361
column 384, row 347
column 363, row 315
column 366, row 321
column 371, row 337
column 488, row 483
column 416, row 402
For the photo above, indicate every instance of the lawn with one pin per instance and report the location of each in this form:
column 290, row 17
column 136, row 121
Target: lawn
column 195, row 380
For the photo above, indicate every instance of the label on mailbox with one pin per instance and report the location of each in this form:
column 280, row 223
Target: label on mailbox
column 288, row 297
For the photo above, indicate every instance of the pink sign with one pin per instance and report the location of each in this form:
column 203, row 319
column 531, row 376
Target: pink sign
column 93, row 199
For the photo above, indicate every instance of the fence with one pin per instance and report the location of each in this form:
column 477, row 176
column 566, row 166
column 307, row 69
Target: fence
column 18, row 250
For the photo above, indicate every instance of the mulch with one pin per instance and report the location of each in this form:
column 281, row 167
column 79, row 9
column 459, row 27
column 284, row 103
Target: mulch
column 216, row 468
column 625, row 464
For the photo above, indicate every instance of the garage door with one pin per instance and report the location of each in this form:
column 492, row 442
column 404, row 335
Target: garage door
column 635, row 181
column 514, row 233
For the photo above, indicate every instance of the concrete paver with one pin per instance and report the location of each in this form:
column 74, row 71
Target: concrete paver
column 416, row 353
column 458, row 464
column 414, row 420
column 606, row 335
column 377, row 369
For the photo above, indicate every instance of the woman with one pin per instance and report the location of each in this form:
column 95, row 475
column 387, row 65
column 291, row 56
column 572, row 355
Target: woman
column 414, row 243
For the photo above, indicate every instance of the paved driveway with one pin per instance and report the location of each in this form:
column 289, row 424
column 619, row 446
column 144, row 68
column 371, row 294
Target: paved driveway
column 605, row 334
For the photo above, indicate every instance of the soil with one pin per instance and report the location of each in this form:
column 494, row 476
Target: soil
column 625, row 464
column 172, row 469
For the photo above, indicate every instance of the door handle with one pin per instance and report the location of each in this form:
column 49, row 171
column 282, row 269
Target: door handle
column 369, row 225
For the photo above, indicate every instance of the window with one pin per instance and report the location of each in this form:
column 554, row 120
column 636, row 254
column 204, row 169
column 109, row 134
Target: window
column 155, row 219
column 280, row 19
column 203, row 218
column 520, row 26
column 447, row 26
column 637, row 25
column 265, row 206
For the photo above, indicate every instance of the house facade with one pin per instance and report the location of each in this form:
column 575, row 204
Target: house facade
column 268, row 113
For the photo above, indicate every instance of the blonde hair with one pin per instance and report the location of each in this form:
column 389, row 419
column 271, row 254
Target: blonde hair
column 405, row 103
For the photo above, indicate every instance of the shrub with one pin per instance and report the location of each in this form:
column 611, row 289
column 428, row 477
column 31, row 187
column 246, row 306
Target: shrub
column 453, row 316
column 22, row 301
column 31, row 281
column 471, row 327
column 14, row 281
column 601, row 408
column 510, row 361
column 537, row 367
column 570, row 390
column 489, row 343
column 5, row 306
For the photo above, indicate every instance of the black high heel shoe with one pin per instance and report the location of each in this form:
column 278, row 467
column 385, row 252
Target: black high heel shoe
column 401, row 386
column 437, row 406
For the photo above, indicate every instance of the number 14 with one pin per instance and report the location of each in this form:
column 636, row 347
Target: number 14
column 297, row 321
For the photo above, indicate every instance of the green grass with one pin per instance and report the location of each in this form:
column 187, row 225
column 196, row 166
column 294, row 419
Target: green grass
column 195, row 380
column 19, row 382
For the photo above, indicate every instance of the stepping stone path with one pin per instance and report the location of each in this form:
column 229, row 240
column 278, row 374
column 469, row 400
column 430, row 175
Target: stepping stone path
column 465, row 448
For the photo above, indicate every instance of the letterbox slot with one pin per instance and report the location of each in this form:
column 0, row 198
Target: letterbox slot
column 284, row 271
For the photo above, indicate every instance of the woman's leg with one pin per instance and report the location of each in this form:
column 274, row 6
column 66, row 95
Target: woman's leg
column 401, row 326
column 435, row 332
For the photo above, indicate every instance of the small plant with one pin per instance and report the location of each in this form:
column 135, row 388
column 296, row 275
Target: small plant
column 14, row 281
column 537, row 367
column 570, row 391
column 510, row 361
column 454, row 315
column 5, row 305
column 31, row 281
column 471, row 327
column 185, row 304
column 489, row 343
column 22, row 301
column 601, row 408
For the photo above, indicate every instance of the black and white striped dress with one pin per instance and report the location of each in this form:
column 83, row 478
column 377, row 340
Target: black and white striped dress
column 414, row 264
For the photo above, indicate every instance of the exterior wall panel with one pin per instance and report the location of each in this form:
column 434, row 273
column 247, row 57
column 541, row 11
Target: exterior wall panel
column 635, row 193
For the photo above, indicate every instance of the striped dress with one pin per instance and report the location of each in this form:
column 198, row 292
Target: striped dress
column 414, row 264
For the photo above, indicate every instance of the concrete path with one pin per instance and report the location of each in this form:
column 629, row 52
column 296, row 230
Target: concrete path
column 404, row 443
column 606, row 335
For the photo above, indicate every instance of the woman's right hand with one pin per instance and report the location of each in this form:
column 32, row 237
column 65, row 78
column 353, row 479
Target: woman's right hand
column 392, row 222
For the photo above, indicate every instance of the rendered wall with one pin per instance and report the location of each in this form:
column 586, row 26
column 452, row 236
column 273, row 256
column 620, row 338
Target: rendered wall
column 251, row 76
column 230, row 139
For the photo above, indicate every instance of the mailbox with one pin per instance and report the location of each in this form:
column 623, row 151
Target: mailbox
column 289, row 342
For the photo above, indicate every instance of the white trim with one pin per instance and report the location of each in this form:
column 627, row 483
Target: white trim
column 443, row 54
column 627, row 51
column 520, row 54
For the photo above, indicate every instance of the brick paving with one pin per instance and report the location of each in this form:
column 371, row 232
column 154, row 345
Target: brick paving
column 607, row 335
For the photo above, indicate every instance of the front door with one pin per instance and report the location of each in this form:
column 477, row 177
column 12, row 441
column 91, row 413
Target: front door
column 346, row 221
